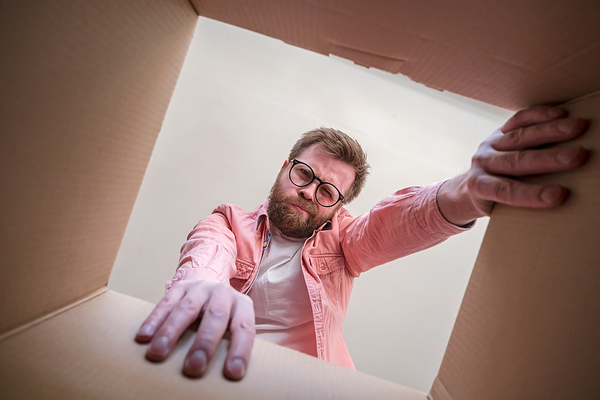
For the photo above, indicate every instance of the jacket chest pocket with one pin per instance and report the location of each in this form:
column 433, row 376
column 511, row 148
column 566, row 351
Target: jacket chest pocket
column 331, row 270
column 243, row 271
column 328, row 264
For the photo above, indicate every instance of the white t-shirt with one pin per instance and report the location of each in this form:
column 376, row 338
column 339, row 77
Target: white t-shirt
column 281, row 302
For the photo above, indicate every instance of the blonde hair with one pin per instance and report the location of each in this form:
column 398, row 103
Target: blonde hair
column 341, row 146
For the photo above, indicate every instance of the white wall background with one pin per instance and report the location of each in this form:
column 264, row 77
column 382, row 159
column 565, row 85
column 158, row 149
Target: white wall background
column 242, row 101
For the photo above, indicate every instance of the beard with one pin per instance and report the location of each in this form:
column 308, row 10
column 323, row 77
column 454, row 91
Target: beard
column 290, row 222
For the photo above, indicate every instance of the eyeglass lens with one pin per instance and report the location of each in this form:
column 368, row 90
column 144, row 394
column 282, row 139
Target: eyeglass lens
column 301, row 175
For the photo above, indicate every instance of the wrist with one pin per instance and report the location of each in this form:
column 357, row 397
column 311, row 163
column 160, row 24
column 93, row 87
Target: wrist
column 455, row 202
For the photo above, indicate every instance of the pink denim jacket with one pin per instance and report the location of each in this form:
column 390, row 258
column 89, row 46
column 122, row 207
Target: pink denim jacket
column 228, row 246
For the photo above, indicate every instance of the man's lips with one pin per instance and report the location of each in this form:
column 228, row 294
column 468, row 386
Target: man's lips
column 300, row 208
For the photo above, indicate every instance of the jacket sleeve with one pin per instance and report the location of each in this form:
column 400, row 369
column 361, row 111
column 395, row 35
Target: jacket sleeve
column 401, row 224
column 209, row 252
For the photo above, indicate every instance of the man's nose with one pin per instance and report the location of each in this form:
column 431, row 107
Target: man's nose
column 308, row 192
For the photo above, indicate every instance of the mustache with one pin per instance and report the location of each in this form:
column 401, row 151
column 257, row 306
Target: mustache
column 304, row 203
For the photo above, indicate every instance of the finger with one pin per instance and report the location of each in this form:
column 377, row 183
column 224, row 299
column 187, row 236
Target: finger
column 159, row 314
column 533, row 162
column 183, row 315
column 535, row 115
column 541, row 134
column 243, row 331
column 518, row 194
column 213, row 325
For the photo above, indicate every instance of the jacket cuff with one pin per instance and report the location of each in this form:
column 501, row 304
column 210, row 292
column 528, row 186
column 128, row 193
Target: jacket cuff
column 186, row 272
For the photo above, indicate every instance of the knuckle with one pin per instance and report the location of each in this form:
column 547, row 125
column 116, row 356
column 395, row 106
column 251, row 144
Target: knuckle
column 478, row 159
column 484, row 153
column 247, row 325
column 516, row 137
column 177, row 284
column 166, row 304
column 187, row 305
column 216, row 313
column 502, row 191
column 512, row 160
column 180, row 285
column 479, row 185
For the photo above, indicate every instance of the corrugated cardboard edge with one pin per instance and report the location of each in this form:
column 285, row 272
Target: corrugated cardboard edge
column 438, row 391
column 46, row 317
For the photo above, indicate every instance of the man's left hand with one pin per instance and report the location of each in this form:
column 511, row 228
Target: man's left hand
column 519, row 148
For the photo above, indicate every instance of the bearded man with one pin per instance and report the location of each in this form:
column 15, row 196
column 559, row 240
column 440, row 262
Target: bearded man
column 284, row 272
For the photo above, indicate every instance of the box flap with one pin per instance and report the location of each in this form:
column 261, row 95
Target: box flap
column 529, row 323
column 88, row 351
column 511, row 53
column 85, row 87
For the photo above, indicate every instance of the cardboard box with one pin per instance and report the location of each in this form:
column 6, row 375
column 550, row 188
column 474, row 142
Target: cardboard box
column 85, row 87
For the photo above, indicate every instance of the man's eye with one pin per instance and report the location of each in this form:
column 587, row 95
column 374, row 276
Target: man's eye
column 305, row 171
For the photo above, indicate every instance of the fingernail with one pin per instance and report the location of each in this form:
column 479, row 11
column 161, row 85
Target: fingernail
column 566, row 125
column 555, row 112
column 160, row 346
column 196, row 363
column 565, row 156
column 146, row 330
column 237, row 368
column 551, row 194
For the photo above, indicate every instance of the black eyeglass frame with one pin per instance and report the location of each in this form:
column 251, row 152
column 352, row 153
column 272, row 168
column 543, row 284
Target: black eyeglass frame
column 321, row 183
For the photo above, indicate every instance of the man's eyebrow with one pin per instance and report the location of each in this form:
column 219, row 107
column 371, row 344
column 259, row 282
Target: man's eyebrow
column 318, row 175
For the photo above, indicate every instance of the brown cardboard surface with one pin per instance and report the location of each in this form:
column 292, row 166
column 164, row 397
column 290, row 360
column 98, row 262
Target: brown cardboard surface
column 529, row 324
column 85, row 87
column 508, row 53
column 88, row 352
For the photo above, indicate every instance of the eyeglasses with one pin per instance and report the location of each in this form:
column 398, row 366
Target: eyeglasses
column 302, row 175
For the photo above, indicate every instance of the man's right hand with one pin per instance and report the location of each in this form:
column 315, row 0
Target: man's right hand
column 220, row 307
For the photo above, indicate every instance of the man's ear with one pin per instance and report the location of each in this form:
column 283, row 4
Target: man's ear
column 285, row 163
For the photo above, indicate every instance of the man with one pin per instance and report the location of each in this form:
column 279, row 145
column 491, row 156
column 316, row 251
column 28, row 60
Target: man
column 286, row 269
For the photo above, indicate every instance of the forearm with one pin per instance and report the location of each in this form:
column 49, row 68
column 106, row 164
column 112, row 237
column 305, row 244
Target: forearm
column 401, row 224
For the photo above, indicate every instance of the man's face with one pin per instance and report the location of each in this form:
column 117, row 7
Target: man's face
column 294, row 210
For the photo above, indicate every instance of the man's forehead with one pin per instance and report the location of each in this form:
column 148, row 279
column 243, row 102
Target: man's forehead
column 320, row 159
